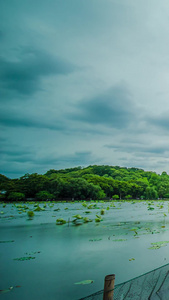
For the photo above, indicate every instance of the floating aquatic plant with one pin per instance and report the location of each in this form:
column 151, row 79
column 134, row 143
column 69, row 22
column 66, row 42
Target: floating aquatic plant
column 60, row 221
column 158, row 245
column 86, row 220
column 24, row 258
column 78, row 220
column 38, row 208
column 98, row 219
column 77, row 216
column 102, row 212
column 150, row 208
column 11, row 241
column 30, row 214
column 85, row 282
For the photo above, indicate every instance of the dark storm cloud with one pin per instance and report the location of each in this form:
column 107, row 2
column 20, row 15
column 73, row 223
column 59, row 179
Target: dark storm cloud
column 29, row 163
column 14, row 120
column 77, row 158
column 14, row 152
column 23, row 75
column 138, row 148
column 112, row 108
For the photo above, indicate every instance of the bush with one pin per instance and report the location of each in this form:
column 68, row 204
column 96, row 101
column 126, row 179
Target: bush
column 115, row 197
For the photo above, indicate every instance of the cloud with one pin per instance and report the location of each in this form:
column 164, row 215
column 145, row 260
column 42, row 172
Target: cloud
column 15, row 119
column 20, row 162
column 138, row 148
column 160, row 121
column 113, row 108
column 23, row 75
column 77, row 158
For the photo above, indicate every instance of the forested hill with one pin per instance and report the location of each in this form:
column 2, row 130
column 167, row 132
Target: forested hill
column 92, row 182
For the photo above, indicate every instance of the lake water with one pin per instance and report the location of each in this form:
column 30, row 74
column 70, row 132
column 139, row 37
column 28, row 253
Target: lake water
column 67, row 254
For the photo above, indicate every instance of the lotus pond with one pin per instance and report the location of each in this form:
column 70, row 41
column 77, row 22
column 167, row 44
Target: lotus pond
column 64, row 250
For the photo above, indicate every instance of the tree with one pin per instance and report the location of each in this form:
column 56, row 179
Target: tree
column 30, row 184
column 44, row 195
column 15, row 196
column 151, row 193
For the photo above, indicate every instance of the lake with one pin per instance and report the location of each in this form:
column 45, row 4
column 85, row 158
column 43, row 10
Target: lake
column 42, row 260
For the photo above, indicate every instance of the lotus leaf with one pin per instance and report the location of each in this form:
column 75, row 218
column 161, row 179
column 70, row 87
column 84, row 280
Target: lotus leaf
column 25, row 258
column 90, row 206
column 60, row 221
column 154, row 247
column 77, row 216
column 30, row 214
column 7, row 241
column 158, row 245
column 86, row 220
column 38, row 209
column 97, row 220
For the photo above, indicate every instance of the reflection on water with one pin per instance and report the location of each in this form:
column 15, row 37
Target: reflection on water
column 69, row 254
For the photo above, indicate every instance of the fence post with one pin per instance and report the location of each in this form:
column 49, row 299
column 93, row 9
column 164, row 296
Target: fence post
column 109, row 287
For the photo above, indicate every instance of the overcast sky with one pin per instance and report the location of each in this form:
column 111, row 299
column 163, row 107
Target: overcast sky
column 83, row 82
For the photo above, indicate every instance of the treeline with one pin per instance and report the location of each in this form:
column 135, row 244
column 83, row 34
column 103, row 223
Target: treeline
column 92, row 182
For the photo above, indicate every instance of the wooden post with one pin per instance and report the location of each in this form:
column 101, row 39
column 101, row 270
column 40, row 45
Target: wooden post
column 109, row 287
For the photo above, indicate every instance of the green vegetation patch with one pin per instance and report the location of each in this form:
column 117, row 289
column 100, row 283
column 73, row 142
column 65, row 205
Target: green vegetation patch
column 30, row 214
column 25, row 258
column 85, row 282
column 60, row 221
column 10, row 241
column 158, row 245
column 39, row 208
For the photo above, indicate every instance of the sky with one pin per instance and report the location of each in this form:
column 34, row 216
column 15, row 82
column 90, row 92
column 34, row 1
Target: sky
column 83, row 82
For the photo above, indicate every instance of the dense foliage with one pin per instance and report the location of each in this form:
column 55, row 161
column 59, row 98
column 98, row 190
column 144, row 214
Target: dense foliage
column 92, row 182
